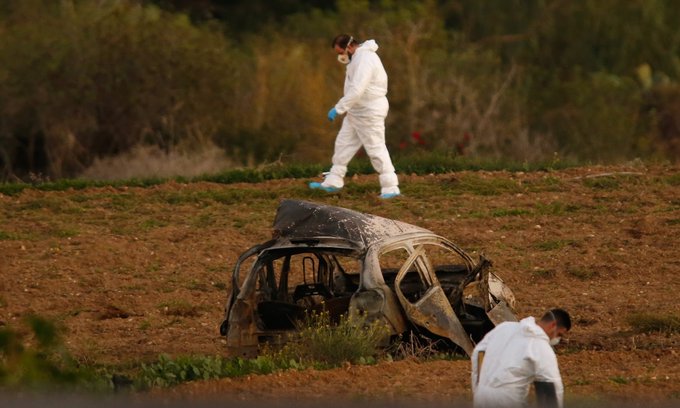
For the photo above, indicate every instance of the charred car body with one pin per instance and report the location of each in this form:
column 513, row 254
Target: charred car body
column 339, row 260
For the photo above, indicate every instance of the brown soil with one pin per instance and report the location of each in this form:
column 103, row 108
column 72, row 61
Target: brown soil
column 130, row 273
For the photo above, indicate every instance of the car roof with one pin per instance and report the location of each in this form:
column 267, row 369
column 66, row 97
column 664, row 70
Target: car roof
column 299, row 220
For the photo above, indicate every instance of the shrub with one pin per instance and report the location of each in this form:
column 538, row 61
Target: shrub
column 353, row 339
column 47, row 365
column 112, row 75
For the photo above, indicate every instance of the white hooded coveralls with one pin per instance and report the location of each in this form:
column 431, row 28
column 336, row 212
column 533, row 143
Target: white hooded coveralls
column 515, row 355
column 366, row 105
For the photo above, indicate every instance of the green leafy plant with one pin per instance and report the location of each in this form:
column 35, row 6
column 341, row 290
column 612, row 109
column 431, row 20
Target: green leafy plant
column 168, row 371
column 47, row 365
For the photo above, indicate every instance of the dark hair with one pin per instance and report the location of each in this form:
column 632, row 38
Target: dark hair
column 561, row 316
column 343, row 41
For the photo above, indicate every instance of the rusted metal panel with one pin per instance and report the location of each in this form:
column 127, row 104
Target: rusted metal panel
column 501, row 313
column 434, row 313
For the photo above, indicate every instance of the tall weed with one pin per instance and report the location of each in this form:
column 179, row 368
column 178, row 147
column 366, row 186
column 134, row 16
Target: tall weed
column 353, row 339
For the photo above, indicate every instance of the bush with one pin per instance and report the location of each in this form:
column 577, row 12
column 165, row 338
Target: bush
column 82, row 80
column 320, row 342
column 47, row 365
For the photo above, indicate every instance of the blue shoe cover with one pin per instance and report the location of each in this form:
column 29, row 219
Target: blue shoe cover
column 386, row 196
column 317, row 186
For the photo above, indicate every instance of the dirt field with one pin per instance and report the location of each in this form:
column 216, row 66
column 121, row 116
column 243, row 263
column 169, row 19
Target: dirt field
column 130, row 273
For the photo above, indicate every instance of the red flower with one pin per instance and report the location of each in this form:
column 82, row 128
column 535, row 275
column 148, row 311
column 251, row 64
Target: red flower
column 417, row 138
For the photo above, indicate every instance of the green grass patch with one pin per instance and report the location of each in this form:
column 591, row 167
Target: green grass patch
column 154, row 266
column 370, row 188
column 673, row 180
column 619, row 380
column 549, row 183
column 61, row 232
column 554, row 244
column 602, row 183
column 122, row 202
column 144, row 325
column 612, row 182
column 580, row 273
column 429, row 163
column 555, row 208
column 473, row 184
column 52, row 204
column 655, row 323
column 674, row 221
column 203, row 221
column 581, row 381
column 8, row 236
column 152, row 224
column 199, row 286
column 511, row 212
column 544, row 273
column 11, row 189
column 220, row 196
column 271, row 173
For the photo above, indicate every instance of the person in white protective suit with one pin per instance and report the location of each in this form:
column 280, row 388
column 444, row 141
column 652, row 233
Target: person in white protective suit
column 514, row 355
column 365, row 105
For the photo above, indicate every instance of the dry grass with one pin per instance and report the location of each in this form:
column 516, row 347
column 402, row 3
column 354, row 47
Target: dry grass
column 151, row 161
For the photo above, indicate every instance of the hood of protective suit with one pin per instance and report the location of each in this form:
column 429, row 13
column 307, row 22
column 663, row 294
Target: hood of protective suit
column 368, row 45
column 529, row 328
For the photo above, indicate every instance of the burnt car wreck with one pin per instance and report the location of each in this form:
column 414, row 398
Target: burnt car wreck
column 343, row 260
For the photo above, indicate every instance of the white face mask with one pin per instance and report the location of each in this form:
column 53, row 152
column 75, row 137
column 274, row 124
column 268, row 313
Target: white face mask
column 345, row 58
column 555, row 340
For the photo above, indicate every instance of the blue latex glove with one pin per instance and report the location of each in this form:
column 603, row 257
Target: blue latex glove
column 332, row 114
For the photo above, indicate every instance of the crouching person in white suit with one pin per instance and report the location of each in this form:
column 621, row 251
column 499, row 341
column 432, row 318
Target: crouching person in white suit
column 365, row 105
column 515, row 355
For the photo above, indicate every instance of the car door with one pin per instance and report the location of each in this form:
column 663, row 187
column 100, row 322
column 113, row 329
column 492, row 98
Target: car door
column 422, row 297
